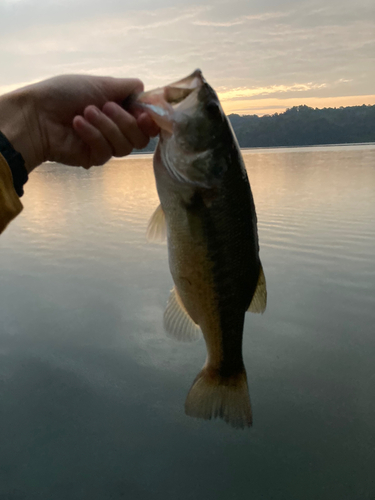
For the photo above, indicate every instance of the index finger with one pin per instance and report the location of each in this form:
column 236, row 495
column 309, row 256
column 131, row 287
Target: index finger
column 147, row 125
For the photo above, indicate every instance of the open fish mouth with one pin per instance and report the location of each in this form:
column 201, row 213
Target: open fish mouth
column 174, row 93
column 162, row 102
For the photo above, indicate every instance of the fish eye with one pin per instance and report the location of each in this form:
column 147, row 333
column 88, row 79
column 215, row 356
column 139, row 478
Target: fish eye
column 213, row 108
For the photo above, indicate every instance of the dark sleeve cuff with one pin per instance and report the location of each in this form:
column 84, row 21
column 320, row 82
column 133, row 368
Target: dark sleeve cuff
column 16, row 164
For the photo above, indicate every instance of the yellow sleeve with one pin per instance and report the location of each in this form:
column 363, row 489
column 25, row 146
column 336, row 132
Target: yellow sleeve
column 10, row 204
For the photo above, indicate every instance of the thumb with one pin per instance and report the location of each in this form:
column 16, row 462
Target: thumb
column 118, row 89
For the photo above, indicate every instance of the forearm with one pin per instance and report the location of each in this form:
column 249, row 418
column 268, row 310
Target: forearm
column 75, row 120
column 19, row 123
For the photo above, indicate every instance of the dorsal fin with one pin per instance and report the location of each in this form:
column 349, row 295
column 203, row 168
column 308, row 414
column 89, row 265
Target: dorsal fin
column 259, row 301
column 177, row 322
column 157, row 227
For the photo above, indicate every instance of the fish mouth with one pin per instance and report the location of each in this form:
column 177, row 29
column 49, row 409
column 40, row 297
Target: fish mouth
column 161, row 103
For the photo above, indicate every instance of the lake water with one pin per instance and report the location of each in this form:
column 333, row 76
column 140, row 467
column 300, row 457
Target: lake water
column 92, row 391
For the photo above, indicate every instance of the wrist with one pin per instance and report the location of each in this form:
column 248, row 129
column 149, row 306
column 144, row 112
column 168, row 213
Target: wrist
column 19, row 124
column 15, row 162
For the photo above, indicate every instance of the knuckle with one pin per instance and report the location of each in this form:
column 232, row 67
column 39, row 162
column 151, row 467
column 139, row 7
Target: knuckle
column 125, row 121
column 92, row 134
column 87, row 164
column 101, row 155
column 91, row 114
column 100, row 160
column 111, row 109
column 128, row 149
column 124, row 150
column 142, row 142
column 131, row 122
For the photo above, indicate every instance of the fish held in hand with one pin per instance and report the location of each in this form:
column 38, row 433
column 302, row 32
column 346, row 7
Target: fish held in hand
column 208, row 215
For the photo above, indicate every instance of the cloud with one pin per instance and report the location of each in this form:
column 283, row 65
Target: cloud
column 245, row 93
column 244, row 49
column 240, row 20
column 218, row 24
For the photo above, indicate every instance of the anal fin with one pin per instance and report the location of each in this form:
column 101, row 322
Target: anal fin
column 177, row 322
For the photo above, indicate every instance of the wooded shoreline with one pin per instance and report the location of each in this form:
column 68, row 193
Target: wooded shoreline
column 302, row 126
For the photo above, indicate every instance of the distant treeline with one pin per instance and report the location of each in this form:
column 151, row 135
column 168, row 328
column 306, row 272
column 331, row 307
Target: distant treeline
column 303, row 126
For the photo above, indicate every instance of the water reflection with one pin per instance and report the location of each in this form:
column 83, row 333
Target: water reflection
column 129, row 192
column 92, row 391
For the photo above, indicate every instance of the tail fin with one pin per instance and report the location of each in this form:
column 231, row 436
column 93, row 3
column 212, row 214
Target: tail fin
column 213, row 395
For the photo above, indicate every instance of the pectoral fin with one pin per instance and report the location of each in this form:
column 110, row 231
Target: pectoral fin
column 259, row 301
column 157, row 227
column 177, row 321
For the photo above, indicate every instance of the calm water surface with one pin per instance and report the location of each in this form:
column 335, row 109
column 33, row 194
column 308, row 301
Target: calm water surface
column 92, row 392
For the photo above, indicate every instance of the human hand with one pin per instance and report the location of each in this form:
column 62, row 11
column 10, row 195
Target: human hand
column 76, row 120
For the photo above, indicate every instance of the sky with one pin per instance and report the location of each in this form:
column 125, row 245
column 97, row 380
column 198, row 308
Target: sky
column 261, row 56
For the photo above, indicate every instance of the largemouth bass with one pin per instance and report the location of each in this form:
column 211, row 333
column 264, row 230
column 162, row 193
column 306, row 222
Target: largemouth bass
column 208, row 214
